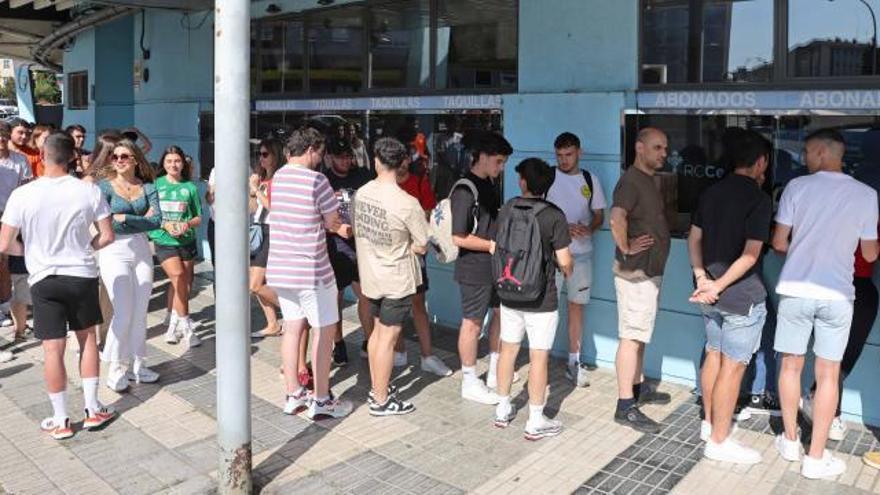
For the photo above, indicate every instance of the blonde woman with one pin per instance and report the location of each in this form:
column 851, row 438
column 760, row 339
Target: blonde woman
column 126, row 266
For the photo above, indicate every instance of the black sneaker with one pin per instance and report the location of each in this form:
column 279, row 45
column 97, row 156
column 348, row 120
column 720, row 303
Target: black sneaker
column 340, row 354
column 371, row 398
column 763, row 404
column 392, row 407
column 635, row 419
column 649, row 395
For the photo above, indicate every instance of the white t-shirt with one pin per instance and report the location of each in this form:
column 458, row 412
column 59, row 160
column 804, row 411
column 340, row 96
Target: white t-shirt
column 571, row 194
column 14, row 171
column 54, row 216
column 828, row 212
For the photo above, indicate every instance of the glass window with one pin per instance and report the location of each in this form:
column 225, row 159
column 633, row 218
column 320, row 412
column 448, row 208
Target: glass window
column 281, row 59
column 336, row 51
column 707, row 41
column 476, row 44
column 400, row 46
column 78, row 90
column 832, row 38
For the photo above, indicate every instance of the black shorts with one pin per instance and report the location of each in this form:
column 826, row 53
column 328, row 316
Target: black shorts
column 391, row 312
column 345, row 269
column 476, row 301
column 62, row 302
column 185, row 253
column 261, row 257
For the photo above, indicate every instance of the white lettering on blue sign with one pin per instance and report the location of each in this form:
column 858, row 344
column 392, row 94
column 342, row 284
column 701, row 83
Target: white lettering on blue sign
column 767, row 100
column 481, row 102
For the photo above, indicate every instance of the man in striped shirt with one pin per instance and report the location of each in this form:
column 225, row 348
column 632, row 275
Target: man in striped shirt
column 304, row 208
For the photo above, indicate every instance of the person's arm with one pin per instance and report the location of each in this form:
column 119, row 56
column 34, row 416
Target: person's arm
column 418, row 229
column 146, row 144
column 598, row 220
column 105, row 235
column 619, row 226
column 565, row 261
column 781, row 234
column 9, row 243
column 695, row 253
column 711, row 289
column 870, row 249
column 462, row 205
column 150, row 220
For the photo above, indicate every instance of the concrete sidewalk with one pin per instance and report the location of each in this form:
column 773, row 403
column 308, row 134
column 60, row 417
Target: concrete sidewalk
column 164, row 441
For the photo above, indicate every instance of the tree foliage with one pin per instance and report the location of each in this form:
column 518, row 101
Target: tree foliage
column 46, row 91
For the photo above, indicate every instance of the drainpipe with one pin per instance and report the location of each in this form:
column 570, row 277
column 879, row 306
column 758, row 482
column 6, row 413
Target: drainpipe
column 232, row 300
column 69, row 31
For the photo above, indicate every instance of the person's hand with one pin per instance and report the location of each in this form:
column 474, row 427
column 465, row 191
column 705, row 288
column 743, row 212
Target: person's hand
column 639, row 244
column 150, row 212
column 578, row 231
column 707, row 292
column 253, row 183
column 344, row 231
column 119, row 217
column 492, row 247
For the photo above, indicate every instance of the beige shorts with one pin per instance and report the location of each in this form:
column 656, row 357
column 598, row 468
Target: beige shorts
column 21, row 291
column 637, row 303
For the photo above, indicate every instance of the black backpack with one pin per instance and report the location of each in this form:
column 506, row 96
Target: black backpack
column 520, row 266
column 589, row 179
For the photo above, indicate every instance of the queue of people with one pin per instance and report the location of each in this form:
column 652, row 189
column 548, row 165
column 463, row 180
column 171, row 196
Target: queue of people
column 322, row 222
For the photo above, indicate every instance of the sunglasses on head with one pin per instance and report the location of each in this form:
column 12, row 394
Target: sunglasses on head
column 122, row 157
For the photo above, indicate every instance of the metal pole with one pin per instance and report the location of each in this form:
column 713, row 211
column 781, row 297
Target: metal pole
column 873, row 39
column 232, row 302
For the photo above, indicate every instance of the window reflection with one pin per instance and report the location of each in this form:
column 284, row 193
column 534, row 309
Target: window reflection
column 400, row 44
column 476, row 44
column 711, row 41
column 336, row 51
column 832, row 39
column 281, row 60
column 698, row 155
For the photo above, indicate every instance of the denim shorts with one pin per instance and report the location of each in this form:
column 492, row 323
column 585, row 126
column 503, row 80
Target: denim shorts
column 798, row 317
column 735, row 336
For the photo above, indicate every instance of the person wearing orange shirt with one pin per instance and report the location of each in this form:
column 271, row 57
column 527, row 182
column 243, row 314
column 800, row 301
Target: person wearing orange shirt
column 21, row 134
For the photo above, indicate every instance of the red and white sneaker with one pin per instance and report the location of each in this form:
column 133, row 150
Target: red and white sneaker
column 58, row 431
column 98, row 418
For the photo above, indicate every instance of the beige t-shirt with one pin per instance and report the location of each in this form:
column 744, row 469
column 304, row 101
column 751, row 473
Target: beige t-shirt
column 387, row 223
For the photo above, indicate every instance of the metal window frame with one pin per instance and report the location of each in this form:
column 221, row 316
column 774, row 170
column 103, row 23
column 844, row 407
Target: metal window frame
column 780, row 79
column 307, row 18
column 83, row 88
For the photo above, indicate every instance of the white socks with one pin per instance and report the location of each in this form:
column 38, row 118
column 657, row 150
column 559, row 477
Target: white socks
column 536, row 413
column 573, row 358
column 493, row 366
column 59, row 406
column 469, row 373
column 90, row 393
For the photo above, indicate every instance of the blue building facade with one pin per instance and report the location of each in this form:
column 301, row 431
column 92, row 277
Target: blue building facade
column 560, row 65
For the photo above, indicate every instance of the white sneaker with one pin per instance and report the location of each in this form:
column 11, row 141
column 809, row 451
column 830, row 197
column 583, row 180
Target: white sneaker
column 169, row 317
column 433, row 364
column 837, row 430
column 296, row 401
column 171, row 335
column 503, row 415
column 542, row 428
column 475, row 390
column 826, row 467
column 400, row 359
column 139, row 373
column 6, row 356
column 705, row 430
column 492, row 380
column 192, row 340
column 333, row 408
column 744, row 414
column 117, row 377
column 790, row 450
column 731, row 451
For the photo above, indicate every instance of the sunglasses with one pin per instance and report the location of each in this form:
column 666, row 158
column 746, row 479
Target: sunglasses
column 265, row 154
column 120, row 158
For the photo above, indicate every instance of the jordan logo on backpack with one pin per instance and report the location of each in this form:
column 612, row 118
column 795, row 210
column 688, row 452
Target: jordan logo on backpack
column 507, row 274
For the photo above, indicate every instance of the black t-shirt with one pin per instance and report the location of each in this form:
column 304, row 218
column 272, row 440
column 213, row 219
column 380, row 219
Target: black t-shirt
column 345, row 188
column 475, row 267
column 554, row 236
column 731, row 212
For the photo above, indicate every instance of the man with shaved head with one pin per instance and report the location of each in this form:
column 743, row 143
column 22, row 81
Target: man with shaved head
column 641, row 235
column 822, row 218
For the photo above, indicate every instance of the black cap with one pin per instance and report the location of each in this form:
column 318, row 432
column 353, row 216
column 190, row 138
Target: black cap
column 338, row 146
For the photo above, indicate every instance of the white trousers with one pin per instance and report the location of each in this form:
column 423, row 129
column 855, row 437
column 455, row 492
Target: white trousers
column 126, row 268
